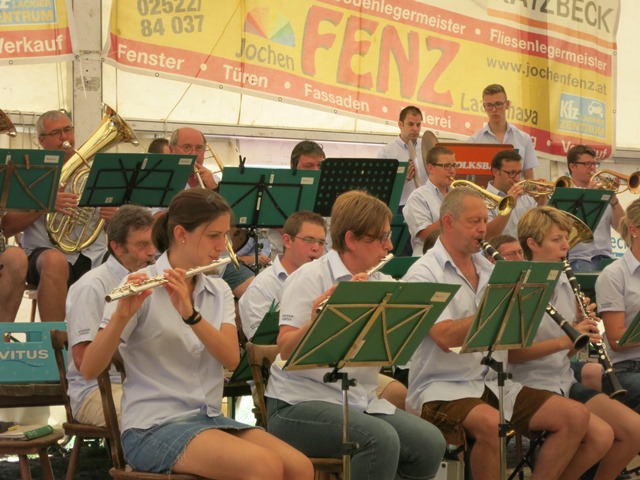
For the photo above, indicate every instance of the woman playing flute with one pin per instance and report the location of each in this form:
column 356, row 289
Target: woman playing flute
column 175, row 341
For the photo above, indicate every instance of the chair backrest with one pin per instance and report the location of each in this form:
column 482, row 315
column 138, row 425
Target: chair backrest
column 109, row 409
column 59, row 343
column 260, row 359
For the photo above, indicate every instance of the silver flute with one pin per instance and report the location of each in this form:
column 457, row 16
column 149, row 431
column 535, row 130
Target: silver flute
column 130, row 289
column 371, row 271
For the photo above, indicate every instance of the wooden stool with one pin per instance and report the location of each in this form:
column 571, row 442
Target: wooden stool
column 22, row 448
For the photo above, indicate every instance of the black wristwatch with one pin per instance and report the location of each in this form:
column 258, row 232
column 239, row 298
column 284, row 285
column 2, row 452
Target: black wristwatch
column 194, row 318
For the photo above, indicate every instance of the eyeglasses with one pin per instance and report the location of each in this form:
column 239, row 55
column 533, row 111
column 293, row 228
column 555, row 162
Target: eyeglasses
column 494, row 106
column 188, row 148
column 382, row 238
column 446, row 166
column 311, row 240
column 59, row 132
column 589, row 164
column 513, row 253
column 513, row 173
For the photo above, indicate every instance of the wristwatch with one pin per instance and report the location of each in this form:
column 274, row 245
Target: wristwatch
column 194, row 318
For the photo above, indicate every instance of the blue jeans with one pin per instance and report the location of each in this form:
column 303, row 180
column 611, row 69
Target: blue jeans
column 388, row 444
column 583, row 266
column 628, row 374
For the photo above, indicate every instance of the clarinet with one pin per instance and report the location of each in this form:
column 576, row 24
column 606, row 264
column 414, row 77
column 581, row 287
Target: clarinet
column 601, row 349
column 579, row 340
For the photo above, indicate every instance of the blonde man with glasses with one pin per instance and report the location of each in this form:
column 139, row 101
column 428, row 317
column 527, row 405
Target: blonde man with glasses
column 506, row 168
column 49, row 268
column 586, row 257
column 422, row 211
column 499, row 130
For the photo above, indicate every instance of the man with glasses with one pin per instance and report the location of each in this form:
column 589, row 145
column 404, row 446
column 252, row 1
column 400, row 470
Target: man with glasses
column 131, row 249
column 303, row 237
column 422, row 211
column 586, row 257
column 498, row 130
column 190, row 141
column 506, row 168
column 507, row 246
column 49, row 268
column 404, row 149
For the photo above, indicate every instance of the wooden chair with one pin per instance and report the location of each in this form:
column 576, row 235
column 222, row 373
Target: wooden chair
column 22, row 448
column 71, row 427
column 260, row 359
column 120, row 469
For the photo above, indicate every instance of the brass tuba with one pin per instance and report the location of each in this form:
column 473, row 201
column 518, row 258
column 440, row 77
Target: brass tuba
column 73, row 233
column 6, row 126
column 503, row 204
column 618, row 182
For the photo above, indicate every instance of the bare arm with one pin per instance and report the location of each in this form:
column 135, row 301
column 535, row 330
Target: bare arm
column 614, row 327
column 449, row 334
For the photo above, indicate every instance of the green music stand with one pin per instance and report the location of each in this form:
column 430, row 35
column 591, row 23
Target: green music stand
column 265, row 197
column 266, row 334
column 399, row 233
column 382, row 178
column 147, row 179
column 514, row 301
column 368, row 324
column 29, row 181
column 631, row 335
column 398, row 266
column 586, row 204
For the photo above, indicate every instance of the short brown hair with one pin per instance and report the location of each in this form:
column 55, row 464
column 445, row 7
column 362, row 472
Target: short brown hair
column 434, row 154
column 493, row 89
column 358, row 212
column 573, row 155
column 294, row 222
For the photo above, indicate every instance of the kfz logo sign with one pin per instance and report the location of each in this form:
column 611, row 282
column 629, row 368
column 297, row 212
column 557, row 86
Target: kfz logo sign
column 569, row 110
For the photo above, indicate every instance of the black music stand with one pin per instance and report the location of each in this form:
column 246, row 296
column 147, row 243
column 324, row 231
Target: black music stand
column 382, row 178
column 368, row 324
column 586, row 204
column 147, row 179
column 510, row 313
column 265, row 197
column 28, row 181
column 266, row 334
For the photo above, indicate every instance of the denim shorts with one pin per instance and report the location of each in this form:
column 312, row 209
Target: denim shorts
column 158, row 448
column 581, row 393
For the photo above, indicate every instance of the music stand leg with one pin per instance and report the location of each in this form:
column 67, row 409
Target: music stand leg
column 503, row 427
column 347, row 447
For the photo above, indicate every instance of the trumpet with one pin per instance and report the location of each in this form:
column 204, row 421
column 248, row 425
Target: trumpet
column 618, row 182
column 371, row 271
column 579, row 340
column 564, row 182
column 216, row 158
column 537, row 188
column 503, row 204
column 130, row 289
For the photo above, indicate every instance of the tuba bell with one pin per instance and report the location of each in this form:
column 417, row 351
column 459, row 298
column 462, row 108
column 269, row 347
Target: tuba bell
column 6, row 126
column 73, row 233
column 503, row 204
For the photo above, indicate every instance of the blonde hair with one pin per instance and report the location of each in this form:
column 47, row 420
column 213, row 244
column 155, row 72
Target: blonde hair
column 536, row 223
column 358, row 212
column 632, row 217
